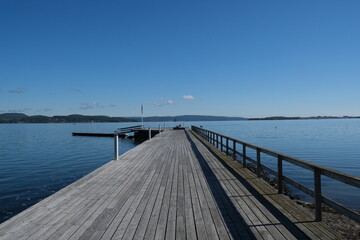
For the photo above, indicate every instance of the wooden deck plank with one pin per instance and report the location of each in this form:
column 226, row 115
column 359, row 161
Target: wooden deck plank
column 308, row 228
column 48, row 207
column 122, row 190
column 103, row 198
column 127, row 187
column 302, row 219
column 152, row 207
column 210, row 227
column 155, row 215
column 261, row 218
column 140, row 220
column 160, row 227
column 122, row 203
column 196, row 208
column 235, row 223
column 132, row 209
column 171, row 218
column 170, row 187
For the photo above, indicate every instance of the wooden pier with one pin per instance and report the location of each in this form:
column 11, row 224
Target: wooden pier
column 174, row 186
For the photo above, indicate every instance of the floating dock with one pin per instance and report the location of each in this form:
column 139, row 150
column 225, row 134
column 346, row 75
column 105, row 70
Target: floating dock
column 140, row 134
column 95, row 134
column 173, row 186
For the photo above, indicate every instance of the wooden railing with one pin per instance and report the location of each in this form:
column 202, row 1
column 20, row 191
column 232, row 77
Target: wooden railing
column 229, row 146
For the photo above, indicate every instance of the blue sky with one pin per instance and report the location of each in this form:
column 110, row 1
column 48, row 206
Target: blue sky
column 232, row 58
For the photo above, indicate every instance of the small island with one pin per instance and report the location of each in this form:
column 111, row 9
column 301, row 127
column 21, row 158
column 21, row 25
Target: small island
column 74, row 118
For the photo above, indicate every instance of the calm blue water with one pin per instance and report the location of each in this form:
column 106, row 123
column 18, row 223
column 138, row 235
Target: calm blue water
column 37, row 160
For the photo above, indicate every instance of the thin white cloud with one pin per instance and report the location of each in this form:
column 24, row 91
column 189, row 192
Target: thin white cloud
column 188, row 97
column 164, row 102
column 17, row 91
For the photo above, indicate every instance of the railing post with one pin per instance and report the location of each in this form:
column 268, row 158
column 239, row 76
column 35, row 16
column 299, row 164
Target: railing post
column 317, row 190
column 227, row 146
column 149, row 133
column 116, row 145
column 217, row 140
column 221, row 143
column 244, row 155
column 280, row 174
column 159, row 129
column 258, row 162
column 234, row 150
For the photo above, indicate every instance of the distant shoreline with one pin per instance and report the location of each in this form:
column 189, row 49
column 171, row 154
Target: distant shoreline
column 77, row 118
column 302, row 118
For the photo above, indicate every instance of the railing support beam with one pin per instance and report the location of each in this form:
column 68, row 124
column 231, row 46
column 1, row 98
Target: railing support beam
column 258, row 163
column 280, row 175
column 244, row 155
column 116, row 145
column 317, row 190
column 221, row 143
column 227, row 146
column 234, row 150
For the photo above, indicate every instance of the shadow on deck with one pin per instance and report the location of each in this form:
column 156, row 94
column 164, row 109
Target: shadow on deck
column 233, row 218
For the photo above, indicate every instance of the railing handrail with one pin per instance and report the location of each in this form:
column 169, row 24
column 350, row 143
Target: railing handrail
column 334, row 174
column 318, row 170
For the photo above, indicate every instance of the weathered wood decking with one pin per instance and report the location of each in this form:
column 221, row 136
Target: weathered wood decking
column 171, row 187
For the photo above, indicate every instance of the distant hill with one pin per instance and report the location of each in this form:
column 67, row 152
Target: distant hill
column 302, row 118
column 75, row 118
column 186, row 118
column 12, row 116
